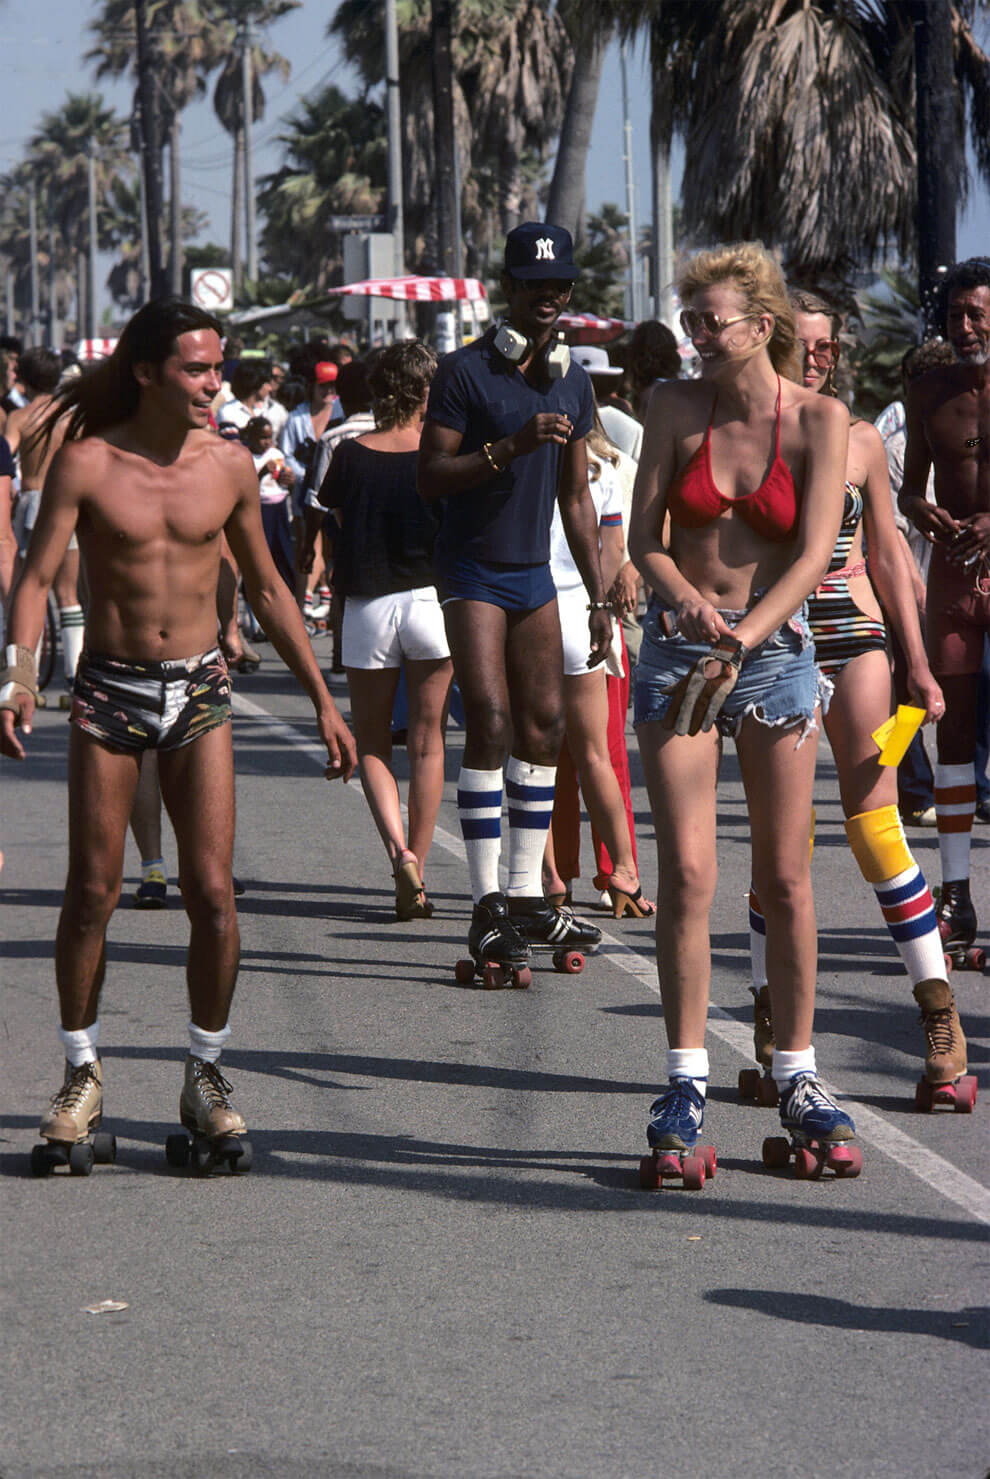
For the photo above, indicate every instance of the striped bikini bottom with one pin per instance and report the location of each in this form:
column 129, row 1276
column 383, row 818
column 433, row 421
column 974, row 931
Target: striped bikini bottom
column 840, row 628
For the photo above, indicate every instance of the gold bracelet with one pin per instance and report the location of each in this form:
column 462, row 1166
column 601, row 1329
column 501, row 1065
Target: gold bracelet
column 487, row 449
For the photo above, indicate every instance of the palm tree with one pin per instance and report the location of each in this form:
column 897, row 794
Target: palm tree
column 58, row 159
column 512, row 65
column 228, row 95
column 591, row 27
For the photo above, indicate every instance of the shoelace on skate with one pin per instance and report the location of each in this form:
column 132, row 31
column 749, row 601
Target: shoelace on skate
column 806, row 1094
column 938, row 1029
column 73, row 1092
column 216, row 1088
column 681, row 1099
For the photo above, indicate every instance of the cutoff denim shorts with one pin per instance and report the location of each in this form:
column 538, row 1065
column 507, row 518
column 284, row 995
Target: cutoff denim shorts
column 779, row 683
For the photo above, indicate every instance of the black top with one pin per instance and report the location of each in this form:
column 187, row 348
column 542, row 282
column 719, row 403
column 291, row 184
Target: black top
column 387, row 531
column 506, row 518
column 8, row 467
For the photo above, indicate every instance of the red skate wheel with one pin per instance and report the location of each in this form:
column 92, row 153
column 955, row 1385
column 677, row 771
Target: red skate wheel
column 944, row 928
column 966, row 1094
column 976, row 958
column 571, row 962
column 776, row 1152
column 949, row 962
column 649, row 1177
column 767, row 1093
column 464, row 972
column 923, row 1095
column 845, row 1160
column 806, row 1164
column 492, row 976
column 693, row 1171
column 522, row 978
column 749, row 1081
column 710, row 1159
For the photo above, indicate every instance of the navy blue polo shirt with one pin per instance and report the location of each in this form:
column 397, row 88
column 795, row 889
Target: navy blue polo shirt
column 506, row 519
column 8, row 468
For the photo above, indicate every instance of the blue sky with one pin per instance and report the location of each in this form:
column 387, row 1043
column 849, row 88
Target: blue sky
column 42, row 47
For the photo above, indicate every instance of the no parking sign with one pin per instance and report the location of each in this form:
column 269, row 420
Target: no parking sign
column 212, row 288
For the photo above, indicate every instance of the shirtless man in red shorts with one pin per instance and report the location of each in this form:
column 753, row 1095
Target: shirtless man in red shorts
column 151, row 492
column 948, row 427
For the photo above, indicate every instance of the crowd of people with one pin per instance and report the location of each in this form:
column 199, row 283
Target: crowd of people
column 545, row 531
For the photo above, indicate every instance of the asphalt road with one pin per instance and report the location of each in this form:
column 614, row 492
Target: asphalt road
column 441, row 1263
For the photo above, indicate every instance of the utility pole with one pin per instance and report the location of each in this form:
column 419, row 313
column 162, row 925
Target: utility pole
column 937, row 145
column 53, row 327
column 444, row 137
column 633, row 307
column 395, row 218
column 91, row 254
column 247, row 41
column 151, row 155
column 9, row 305
column 34, row 334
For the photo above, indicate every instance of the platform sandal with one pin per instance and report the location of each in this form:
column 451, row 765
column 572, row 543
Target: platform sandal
column 410, row 895
column 633, row 904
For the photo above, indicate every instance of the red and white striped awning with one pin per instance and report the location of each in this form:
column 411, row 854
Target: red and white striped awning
column 95, row 348
column 592, row 321
column 418, row 289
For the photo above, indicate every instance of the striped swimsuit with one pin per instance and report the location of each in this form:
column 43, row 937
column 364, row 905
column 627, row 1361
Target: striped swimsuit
column 840, row 629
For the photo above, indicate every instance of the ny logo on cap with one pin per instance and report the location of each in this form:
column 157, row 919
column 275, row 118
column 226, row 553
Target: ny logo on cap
column 544, row 249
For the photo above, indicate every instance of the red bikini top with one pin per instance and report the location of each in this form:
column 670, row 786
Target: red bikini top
column 771, row 510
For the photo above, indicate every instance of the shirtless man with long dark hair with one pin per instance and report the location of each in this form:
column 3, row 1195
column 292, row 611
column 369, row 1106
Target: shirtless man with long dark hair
column 151, row 492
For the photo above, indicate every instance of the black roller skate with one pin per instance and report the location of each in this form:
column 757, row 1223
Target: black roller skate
column 545, row 927
column 957, row 926
column 499, row 954
column 756, row 1084
column 821, row 1133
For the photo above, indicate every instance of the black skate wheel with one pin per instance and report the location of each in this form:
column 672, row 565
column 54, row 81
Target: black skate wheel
column 806, row 1164
column 966, row 1094
column 693, row 1172
column 104, row 1148
column 202, row 1157
column 241, row 1157
column 749, row 1080
column 177, row 1150
column 41, row 1162
column 464, row 972
column 767, row 1093
column 81, row 1158
column 776, row 1152
column 649, row 1175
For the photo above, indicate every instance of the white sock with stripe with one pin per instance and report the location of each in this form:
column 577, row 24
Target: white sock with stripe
column 529, row 789
column 909, row 913
column 479, row 807
column 73, row 626
column 955, row 808
column 757, row 941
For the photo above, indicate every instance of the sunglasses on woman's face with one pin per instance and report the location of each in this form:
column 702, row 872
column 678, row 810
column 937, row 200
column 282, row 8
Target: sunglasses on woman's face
column 695, row 322
column 822, row 353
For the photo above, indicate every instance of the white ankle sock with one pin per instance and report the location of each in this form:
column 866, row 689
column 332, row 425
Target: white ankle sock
column 152, row 865
column 787, row 1063
column 80, row 1045
column 73, row 625
column 207, row 1045
column 529, row 789
column 689, row 1063
column 479, row 807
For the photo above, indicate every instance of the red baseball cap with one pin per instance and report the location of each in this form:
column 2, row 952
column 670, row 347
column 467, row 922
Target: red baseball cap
column 325, row 372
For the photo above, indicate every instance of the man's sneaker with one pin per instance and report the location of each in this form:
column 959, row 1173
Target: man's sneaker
column 923, row 816
column 545, row 928
column 77, row 1108
column 806, row 1109
column 152, row 891
column 493, row 936
column 204, row 1104
column 676, row 1117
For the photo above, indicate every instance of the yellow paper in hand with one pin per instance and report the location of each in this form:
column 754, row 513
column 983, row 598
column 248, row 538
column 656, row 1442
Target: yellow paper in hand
column 894, row 736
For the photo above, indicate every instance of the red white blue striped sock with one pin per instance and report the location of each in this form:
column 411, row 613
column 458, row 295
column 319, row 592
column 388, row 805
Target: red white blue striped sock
column 909, row 913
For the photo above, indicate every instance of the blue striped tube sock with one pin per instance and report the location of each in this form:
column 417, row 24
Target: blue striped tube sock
column 529, row 789
column 479, row 806
column 906, row 905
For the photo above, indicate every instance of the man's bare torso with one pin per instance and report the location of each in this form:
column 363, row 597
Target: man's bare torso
column 150, row 537
column 955, row 415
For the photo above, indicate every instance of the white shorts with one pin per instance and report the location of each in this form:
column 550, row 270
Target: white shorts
column 572, row 605
column 24, row 518
column 379, row 631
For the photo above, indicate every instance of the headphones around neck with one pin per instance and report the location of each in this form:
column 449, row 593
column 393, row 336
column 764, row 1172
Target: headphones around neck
column 554, row 360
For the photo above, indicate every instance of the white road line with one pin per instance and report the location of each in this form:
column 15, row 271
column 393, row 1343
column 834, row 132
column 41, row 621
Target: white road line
column 925, row 1164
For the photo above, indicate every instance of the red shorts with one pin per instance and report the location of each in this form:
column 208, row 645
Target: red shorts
column 958, row 618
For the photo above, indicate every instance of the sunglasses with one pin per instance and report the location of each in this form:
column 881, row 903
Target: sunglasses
column 694, row 321
column 822, row 353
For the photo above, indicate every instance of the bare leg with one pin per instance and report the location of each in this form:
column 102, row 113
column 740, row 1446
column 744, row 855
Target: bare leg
column 146, row 813
column 778, row 775
column 102, row 783
column 586, row 708
column 476, row 632
column 681, row 773
column 534, row 665
column 372, row 693
column 429, row 691
column 197, row 784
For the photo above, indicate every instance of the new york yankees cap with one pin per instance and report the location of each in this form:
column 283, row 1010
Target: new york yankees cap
column 537, row 250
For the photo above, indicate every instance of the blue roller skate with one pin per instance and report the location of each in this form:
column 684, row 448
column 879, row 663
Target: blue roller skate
column 820, row 1133
column 676, row 1118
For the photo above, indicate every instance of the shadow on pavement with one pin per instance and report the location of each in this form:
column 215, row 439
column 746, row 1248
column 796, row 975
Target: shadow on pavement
column 968, row 1326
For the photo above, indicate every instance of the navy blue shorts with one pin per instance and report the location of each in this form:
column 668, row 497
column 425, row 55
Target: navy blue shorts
column 513, row 587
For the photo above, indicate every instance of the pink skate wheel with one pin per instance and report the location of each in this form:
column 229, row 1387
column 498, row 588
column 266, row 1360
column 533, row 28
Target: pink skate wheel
column 709, row 1158
column 845, row 1160
column 649, row 1180
column 976, row 958
column 522, row 977
column 966, row 1094
column 571, row 962
column 776, row 1152
column 693, row 1171
column 464, row 972
column 806, row 1164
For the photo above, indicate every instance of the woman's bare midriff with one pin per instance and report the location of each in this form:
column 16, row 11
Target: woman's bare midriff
column 726, row 562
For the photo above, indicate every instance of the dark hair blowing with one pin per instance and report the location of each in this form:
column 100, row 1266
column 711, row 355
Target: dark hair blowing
column 652, row 354
column 399, row 380
column 110, row 394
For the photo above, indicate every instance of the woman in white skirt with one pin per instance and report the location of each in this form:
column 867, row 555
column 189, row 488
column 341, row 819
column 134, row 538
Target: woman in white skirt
column 383, row 571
